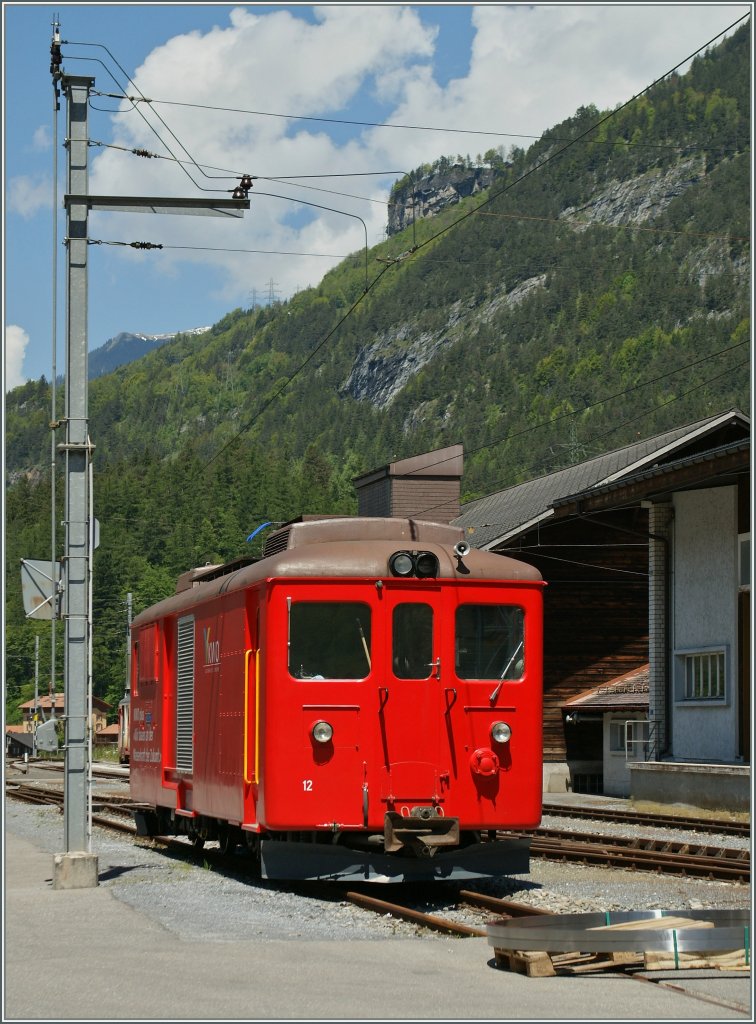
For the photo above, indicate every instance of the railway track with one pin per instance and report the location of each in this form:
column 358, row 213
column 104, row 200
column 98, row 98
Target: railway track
column 656, row 855
column 728, row 828
column 639, row 854
column 117, row 806
column 504, row 910
column 100, row 769
column 642, row 819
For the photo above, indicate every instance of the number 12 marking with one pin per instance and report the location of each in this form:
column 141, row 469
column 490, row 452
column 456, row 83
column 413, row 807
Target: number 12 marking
column 307, row 785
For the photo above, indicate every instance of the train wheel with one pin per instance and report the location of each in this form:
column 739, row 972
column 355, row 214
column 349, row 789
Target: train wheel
column 252, row 844
column 228, row 839
column 197, row 840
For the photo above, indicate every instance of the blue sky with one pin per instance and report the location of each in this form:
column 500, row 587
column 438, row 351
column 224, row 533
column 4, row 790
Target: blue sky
column 510, row 71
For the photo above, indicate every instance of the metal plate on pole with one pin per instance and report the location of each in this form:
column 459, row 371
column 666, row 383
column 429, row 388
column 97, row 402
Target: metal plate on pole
column 39, row 588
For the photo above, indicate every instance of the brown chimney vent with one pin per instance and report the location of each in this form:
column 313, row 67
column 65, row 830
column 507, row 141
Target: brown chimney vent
column 422, row 487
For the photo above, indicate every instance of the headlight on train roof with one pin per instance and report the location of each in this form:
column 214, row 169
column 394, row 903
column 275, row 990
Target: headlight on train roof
column 423, row 564
column 426, row 564
column 500, row 732
column 401, row 563
column 322, row 732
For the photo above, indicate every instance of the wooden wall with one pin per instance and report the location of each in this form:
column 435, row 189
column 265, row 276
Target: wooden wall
column 595, row 613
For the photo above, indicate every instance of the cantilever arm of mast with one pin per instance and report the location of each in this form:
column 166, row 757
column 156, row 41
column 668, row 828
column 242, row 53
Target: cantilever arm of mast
column 198, row 206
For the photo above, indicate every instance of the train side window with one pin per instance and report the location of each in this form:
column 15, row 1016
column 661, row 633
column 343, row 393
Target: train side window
column 412, row 641
column 147, row 655
column 490, row 641
column 329, row 640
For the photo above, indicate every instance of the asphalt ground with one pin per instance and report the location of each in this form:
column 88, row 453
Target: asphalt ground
column 82, row 954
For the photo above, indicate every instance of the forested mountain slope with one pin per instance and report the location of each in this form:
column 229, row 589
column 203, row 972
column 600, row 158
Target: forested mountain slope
column 593, row 293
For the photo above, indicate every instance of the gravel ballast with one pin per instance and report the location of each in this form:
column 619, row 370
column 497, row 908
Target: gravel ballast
column 196, row 901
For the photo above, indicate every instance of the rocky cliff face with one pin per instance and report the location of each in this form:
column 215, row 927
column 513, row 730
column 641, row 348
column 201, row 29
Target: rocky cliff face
column 639, row 199
column 434, row 192
column 382, row 369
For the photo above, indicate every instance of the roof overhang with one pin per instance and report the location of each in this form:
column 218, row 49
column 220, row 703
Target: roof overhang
column 718, row 468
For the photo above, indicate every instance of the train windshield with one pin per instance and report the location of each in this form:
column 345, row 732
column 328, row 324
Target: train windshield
column 490, row 641
column 329, row 640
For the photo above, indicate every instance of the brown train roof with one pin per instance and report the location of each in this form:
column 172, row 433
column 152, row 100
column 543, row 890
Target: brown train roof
column 336, row 548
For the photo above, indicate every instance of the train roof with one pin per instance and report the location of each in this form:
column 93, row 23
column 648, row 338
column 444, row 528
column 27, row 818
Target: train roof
column 335, row 547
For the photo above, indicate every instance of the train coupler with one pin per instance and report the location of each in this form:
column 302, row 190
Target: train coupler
column 421, row 835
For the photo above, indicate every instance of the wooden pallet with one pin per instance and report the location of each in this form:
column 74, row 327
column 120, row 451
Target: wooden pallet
column 732, row 960
column 547, row 965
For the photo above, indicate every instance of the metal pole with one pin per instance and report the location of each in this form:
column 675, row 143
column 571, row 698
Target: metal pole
column 128, row 642
column 77, row 558
column 53, row 381
column 90, row 716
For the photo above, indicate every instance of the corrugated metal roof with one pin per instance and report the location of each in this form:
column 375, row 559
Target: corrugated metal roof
column 661, row 470
column 499, row 516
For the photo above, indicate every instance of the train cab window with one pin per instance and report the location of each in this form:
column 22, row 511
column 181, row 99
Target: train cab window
column 329, row 640
column 490, row 641
column 412, row 641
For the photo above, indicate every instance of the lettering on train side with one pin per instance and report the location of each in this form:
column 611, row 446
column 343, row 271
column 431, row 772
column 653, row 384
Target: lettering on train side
column 212, row 649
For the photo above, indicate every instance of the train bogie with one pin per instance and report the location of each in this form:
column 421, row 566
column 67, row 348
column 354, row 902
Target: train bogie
column 363, row 703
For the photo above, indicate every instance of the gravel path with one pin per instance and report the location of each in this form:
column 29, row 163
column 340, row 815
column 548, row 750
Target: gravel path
column 194, row 901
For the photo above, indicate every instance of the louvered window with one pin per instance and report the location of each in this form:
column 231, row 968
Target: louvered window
column 185, row 695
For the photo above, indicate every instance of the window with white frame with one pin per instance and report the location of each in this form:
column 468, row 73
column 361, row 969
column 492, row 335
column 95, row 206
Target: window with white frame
column 704, row 676
column 629, row 736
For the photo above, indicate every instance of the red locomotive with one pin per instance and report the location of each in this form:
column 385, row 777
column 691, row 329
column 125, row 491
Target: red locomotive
column 364, row 702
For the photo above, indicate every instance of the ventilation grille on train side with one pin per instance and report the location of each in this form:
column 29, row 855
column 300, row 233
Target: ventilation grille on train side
column 185, row 695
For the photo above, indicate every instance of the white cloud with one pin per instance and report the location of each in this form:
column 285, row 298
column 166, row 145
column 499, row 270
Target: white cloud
column 276, row 63
column 530, row 68
column 16, row 340
column 28, row 194
column 41, row 139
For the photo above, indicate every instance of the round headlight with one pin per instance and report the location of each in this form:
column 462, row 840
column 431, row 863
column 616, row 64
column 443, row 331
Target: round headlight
column 322, row 732
column 500, row 732
column 401, row 564
column 426, row 564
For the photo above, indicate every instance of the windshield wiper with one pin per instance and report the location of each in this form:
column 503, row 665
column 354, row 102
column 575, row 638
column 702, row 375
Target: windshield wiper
column 495, row 694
